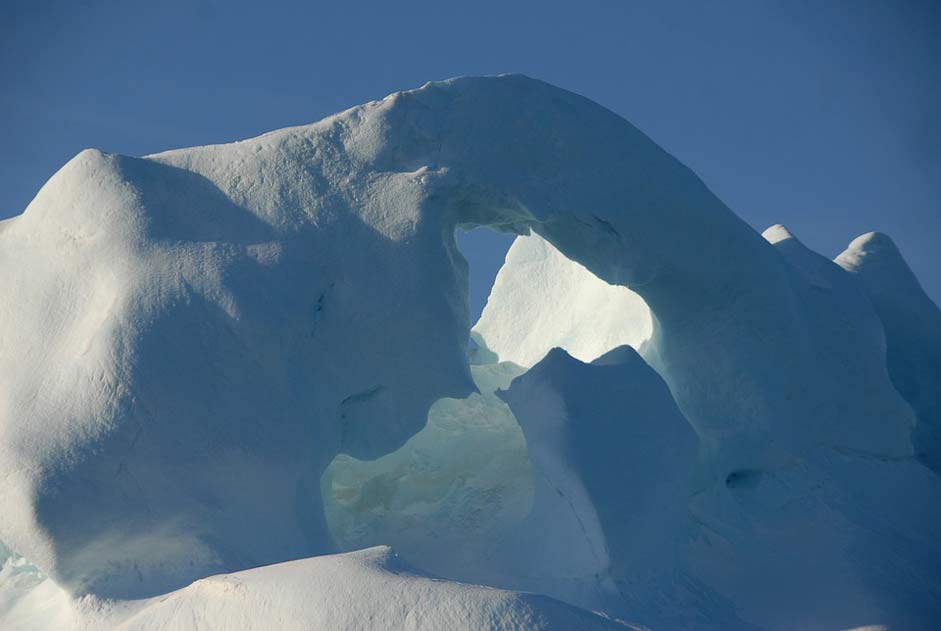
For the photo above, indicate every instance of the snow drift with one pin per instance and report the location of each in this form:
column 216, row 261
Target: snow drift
column 370, row 590
column 196, row 335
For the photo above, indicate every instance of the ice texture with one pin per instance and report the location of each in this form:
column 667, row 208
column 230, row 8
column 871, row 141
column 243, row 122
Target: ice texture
column 542, row 300
column 613, row 461
column 193, row 337
column 368, row 590
column 217, row 323
column 912, row 325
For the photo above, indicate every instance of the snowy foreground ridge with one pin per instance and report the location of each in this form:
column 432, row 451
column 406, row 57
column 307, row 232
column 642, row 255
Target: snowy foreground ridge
column 216, row 365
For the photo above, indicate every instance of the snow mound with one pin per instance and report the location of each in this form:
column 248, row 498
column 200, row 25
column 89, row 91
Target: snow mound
column 542, row 300
column 29, row 601
column 912, row 325
column 370, row 590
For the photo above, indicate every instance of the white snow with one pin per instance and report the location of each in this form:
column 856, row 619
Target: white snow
column 29, row 601
column 542, row 300
column 219, row 322
column 912, row 325
column 613, row 460
column 370, row 590
column 195, row 336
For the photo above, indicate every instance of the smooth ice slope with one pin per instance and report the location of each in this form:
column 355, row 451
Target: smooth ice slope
column 362, row 591
column 369, row 590
column 913, row 333
column 542, row 300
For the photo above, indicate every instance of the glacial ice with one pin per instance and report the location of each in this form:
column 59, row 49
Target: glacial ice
column 912, row 324
column 613, row 461
column 195, row 336
column 217, row 325
column 542, row 300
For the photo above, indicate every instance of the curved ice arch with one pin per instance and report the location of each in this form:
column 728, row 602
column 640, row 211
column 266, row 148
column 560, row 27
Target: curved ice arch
column 217, row 323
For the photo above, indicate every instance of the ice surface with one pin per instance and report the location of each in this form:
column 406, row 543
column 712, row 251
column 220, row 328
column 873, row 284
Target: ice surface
column 29, row 601
column 912, row 325
column 196, row 335
column 613, row 459
column 219, row 322
column 542, row 300
column 370, row 590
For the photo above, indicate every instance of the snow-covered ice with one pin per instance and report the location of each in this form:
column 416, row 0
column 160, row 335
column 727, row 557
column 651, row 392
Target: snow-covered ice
column 190, row 340
column 613, row 459
column 542, row 300
column 369, row 590
column 912, row 325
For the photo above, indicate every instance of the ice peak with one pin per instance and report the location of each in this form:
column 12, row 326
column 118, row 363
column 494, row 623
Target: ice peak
column 777, row 232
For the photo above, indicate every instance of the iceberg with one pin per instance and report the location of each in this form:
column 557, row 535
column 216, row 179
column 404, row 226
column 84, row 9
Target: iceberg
column 210, row 351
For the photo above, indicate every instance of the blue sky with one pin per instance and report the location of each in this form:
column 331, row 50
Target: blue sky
column 819, row 115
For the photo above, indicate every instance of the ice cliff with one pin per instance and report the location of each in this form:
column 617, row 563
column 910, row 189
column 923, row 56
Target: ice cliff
column 190, row 339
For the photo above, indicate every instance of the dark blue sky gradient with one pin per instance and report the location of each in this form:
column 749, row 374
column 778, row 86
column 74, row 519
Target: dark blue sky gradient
column 819, row 115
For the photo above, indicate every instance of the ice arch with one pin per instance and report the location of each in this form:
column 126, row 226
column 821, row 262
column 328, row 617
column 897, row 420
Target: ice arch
column 218, row 322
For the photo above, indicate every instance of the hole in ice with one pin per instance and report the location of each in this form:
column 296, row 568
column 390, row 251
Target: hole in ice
column 454, row 486
column 443, row 497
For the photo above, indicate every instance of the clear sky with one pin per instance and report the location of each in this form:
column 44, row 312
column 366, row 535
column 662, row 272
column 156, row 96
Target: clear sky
column 823, row 116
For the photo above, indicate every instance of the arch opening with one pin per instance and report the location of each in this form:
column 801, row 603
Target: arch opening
column 465, row 480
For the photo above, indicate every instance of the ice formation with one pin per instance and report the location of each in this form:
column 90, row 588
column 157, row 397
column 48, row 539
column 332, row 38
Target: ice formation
column 219, row 322
column 29, row 601
column 613, row 460
column 912, row 325
column 369, row 590
column 445, row 497
column 195, row 336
